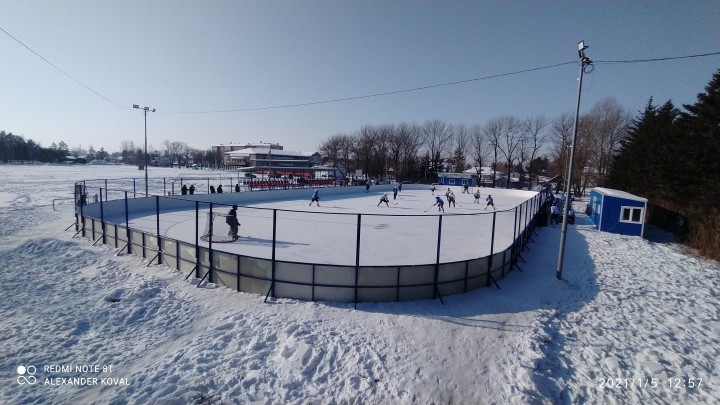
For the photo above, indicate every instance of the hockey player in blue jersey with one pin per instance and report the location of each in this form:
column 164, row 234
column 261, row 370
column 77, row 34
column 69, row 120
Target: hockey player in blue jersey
column 440, row 203
column 315, row 198
column 489, row 200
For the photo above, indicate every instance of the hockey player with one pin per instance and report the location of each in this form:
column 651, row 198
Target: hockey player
column 395, row 191
column 440, row 203
column 432, row 189
column 465, row 189
column 489, row 200
column 451, row 198
column 315, row 198
column 477, row 197
column 384, row 199
column 232, row 220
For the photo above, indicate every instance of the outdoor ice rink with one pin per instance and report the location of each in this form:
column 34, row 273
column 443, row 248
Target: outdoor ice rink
column 405, row 232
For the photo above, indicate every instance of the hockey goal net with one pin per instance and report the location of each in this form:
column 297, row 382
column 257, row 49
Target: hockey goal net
column 217, row 228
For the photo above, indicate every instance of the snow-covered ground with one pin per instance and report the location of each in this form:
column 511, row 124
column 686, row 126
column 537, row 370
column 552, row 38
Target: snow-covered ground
column 633, row 322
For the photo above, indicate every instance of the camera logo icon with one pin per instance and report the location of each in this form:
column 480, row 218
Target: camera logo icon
column 26, row 375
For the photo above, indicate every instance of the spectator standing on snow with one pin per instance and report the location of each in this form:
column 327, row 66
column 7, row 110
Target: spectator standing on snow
column 554, row 214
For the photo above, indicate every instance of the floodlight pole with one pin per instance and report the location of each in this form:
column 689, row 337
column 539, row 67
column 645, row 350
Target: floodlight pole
column 145, row 109
column 584, row 61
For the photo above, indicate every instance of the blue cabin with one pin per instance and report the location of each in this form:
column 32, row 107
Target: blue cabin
column 458, row 179
column 617, row 211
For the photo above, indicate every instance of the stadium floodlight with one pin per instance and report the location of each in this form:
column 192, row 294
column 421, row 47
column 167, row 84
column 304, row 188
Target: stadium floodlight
column 145, row 109
column 584, row 61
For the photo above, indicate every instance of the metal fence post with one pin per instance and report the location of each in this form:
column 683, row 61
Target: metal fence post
column 197, row 243
column 127, row 224
column 210, row 238
column 492, row 252
column 357, row 257
column 102, row 218
column 157, row 228
column 436, row 290
column 274, row 240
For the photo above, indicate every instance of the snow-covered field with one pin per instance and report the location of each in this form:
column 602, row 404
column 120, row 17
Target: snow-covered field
column 633, row 322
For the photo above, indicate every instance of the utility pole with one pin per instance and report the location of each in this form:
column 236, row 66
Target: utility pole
column 145, row 109
column 584, row 62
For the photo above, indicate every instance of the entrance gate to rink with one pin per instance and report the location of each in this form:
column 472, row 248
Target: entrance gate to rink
column 309, row 280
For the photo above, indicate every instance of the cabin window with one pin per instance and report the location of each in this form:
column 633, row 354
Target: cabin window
column 632, row 215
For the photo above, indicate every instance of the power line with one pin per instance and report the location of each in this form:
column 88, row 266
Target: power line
column 381, row 94
column 387, row 93
column 657, row 59
column 438, row 85
column 62, row 71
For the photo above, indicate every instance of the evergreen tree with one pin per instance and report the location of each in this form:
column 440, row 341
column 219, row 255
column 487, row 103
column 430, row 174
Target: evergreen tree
column 701, row 149
column 646, row 163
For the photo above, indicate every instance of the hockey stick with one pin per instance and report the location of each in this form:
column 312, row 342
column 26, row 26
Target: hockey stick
column 429, row 208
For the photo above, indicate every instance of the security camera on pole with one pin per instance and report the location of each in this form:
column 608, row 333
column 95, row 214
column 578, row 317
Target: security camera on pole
column 584, row 62
column 146, row 109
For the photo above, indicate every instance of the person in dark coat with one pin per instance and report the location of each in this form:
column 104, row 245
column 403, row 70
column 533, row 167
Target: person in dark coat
column 183, row 190
column 232, row 220
column 237, row 187
column 192, row 189
column 219, row 189
column 212, row 189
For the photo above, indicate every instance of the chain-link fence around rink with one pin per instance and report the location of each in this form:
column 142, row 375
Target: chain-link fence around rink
column 317, row 255
column 331, row 238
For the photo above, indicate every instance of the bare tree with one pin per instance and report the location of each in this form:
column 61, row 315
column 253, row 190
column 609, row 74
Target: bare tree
column 561, row 132
column 492, row 132
column 533, row 140
column 607, row 126
column 403, row 146
column 174, row 150
column 508, row 142
column 335, row 151
column 437, row 137
column 363, row 151
column 383, row 133
column 461, row 147
column 480, row 148
column 185, row 154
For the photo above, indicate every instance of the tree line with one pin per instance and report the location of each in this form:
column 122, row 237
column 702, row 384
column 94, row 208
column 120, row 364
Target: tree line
column 17, row 148
column 672, row 158
column 526, row 146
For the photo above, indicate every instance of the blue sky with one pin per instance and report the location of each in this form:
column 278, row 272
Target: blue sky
column 185, row 58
